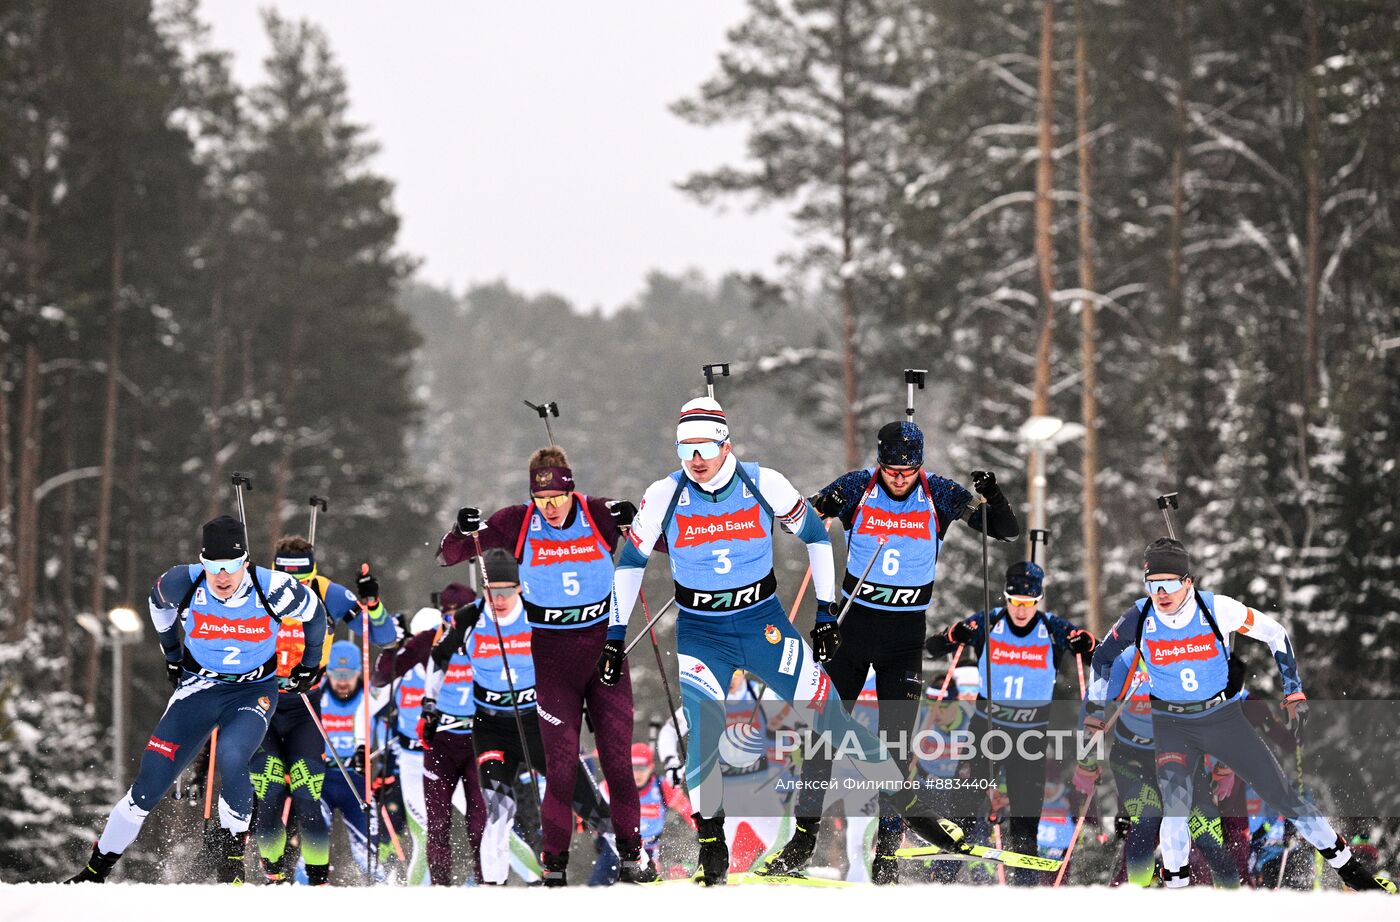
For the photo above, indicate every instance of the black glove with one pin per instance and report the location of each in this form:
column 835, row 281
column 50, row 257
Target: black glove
column 610, row 663
column 468, row 520
column 1296, row 710
column 623, row 512
column 828, row 505
column 301, row 679
column 174, row 672
column 367, row 588
column 357, row 761
column 1234, row 681
column 1081, row 642
column 428, row 722
column 960, row 633
column 676, row 775
column 985, row 483
column 939, row 645
column 826, row 635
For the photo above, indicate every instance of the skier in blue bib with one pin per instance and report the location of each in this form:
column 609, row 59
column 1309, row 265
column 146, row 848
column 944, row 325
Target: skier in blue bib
column 343, row 716
column 718, row 517
column 896, row 516
column 224, row 676
column 1182, row 634
column 1026, row 647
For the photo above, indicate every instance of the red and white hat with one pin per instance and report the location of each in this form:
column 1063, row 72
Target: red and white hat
column 702, row 418
column 641, row 755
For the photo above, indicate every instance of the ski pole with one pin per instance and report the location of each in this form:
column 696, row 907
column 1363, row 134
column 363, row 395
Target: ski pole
column 1124, row 698
column 654, row 618
column 510, row 679
column 1038, row 536
column 1165, row 502
column 952, row 667
column 209, row 778
column 330, row 749
column 801, row 591
column 316, row 502
column 371, row 817
column 665, row 681
column 987, row 633
column 722, row 368
column 913, row 378
column 860, row 584
column 393, row 833
column 545, row 411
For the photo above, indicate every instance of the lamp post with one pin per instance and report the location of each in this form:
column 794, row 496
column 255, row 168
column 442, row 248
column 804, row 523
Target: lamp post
column 123, row 626
column 1041, row 435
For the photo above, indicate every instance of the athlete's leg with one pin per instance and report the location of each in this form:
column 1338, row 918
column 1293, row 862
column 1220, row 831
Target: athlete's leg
column 1135, row 777
column 560, row 681
column 1025, row 789
column 268, row 772
column 306, row 770
column 439, row 779
column 498, row 761
column 242, row 726
column 474, row 805
column 706, row 657
column 1178, row 755
column 611, row 710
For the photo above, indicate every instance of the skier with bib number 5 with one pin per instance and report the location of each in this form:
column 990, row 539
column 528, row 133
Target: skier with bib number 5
column 564, row 542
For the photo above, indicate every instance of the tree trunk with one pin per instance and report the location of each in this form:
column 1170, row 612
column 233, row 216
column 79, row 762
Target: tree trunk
column 848, row 298
column 1176, row 308
column 1312, row 291
column 130, row 591
column 109, row 445
column 68, row 505
column 282, row 476
column 1088, row 347
column 1044, row 251
column 216, row 396
column 27, row 525
column 7, row 516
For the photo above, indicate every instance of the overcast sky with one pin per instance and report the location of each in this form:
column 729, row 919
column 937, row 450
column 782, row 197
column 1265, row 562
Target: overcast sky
column 532, row 141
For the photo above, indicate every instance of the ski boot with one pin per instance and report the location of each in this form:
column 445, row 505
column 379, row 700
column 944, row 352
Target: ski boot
column 1174, row 880
column 555, row 869
column 714, row 851
column 884, row 867
column 1355, row 873
column 97, row 869
column 277, row 872
column 793, row 856
column 636, row 865
column 227, row 854
column 605, row 866
column 317, row 875
column 945, row 834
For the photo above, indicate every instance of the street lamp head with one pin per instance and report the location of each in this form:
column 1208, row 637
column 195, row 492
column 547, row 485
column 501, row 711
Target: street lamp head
column 93, row 625
column 1038, row 429
column 125, row 620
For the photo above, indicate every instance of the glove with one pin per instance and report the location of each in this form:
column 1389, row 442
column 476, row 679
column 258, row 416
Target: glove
column 174, row 672
column 610, row 663
column 1295, row 708
column 428, row 722
column 623, row 513
column 939, row 645
column 301, row 679
column 1081, row 642
column 828, row 505
column 985, row 483
column 1222, row 781
column 367, row 588
column 960, row 633
column 1086, row 775
column 1234, row 681
column 1093, row 726
column 675, row 774
column 826, row 636
column 468, row 520
column 357, row 761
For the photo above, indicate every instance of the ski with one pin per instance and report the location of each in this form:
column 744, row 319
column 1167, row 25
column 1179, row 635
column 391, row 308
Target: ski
column 982, row 853
column 797, row 880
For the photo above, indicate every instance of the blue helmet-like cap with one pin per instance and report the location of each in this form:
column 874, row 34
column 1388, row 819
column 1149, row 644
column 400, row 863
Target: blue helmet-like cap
column 345, row 657
column 900, row 445
column 1025, row 578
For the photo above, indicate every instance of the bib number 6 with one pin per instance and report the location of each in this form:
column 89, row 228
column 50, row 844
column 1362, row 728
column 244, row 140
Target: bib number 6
column 889, row 562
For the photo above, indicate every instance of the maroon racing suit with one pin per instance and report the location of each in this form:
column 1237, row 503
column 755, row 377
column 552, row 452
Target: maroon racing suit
column 567, row 641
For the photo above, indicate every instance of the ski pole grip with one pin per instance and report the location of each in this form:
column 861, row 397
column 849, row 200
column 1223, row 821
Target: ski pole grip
column 239, row 479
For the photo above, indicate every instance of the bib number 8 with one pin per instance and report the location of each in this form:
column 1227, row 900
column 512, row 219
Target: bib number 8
column 889, row 563
column 1189, row 682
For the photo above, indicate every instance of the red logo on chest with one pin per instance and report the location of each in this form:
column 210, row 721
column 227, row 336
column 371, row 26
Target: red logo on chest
column 885, row 524
column 457, row 672
column 1165, row 652
column 575, row 550
column 487, row 646
column 338, row 723
column 1005, row 654
column 212, row 627
column 733, row 526
column 412, row 697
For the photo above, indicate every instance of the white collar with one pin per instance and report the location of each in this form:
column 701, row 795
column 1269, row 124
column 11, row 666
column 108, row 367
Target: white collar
column 240, row 592
column 509, row 617
column 723, row 476
column 1183, row 614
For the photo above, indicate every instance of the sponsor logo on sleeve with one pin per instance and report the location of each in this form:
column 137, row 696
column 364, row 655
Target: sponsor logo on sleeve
column 162, row 747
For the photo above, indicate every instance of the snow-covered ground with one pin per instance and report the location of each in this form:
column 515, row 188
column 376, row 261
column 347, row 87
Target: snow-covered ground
column 116, row 902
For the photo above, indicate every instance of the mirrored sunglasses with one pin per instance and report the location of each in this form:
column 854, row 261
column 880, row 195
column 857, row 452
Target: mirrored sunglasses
column 223, row 566
column 550, row 502
column 1155, row 586
column 1022, row 601
column 708, row 451
column 504, row 592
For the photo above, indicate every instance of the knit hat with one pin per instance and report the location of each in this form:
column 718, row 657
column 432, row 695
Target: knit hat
column 425, row 619
column 641, row 755
column 702, row 418
column 345, row 657
column 222, row 539
column 454, row 596
column 900, row 444
column 1025, row 579
column 501, row 566
column 299, row 565
column 1166, row 555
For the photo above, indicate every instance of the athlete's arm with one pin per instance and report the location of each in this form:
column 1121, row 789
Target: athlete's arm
column 343, row 605
column 395, row 664
column 797, row 517
column 951, row 499
column 840, row 498
column 169, row 589
column 631, row 566
column 1120, row 638
column 600, row 508
column 1233, row 615
column 500, row 530
column 443, row 650
column 289, row 600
